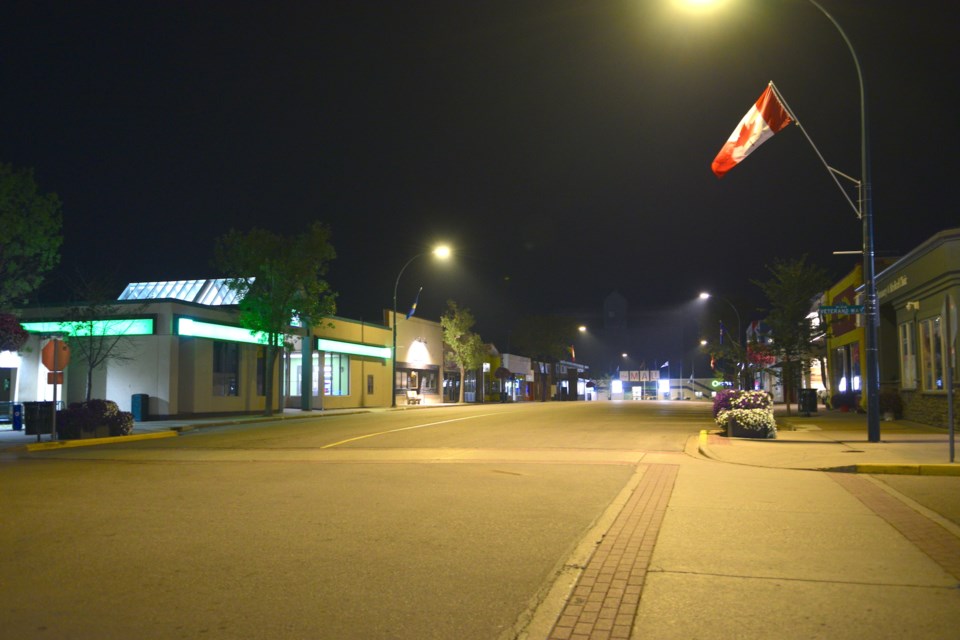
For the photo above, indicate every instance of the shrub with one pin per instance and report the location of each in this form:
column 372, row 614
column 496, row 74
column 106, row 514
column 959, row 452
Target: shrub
column 81, row 417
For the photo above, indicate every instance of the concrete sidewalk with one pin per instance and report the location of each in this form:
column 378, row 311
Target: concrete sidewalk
column 831, row 440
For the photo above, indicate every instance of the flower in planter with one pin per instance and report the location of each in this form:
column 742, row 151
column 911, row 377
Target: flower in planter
column 752, row 410
column 759, row 420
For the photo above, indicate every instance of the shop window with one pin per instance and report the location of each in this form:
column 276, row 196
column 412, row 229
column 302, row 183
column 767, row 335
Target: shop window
column 908, row 357
column 931, row 354
column 336, row 374
column 226, row 368
column 296, row 361
column 428, row 382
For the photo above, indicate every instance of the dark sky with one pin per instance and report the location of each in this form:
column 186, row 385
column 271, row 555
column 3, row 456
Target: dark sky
column 562, row 147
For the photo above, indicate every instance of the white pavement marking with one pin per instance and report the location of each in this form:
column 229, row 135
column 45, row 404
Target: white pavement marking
column 416, row 426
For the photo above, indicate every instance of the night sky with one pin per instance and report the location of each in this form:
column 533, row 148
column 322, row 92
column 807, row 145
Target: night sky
column 562, row 147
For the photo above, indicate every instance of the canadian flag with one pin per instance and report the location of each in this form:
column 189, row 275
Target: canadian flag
column 765, row 118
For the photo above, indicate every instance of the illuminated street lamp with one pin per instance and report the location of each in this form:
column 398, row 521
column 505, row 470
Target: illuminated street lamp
column 706, row 296
column 442, row 252
column 865, row 212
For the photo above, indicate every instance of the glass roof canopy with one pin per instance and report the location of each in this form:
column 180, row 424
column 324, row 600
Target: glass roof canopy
column 212, row 293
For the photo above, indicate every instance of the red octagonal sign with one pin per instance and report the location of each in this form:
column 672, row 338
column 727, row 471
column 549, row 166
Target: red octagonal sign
column 55, row 355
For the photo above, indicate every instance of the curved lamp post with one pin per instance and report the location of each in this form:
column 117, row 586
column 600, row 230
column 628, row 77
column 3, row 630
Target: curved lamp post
column 440, row 251
column 706, row 296
column 871, row 312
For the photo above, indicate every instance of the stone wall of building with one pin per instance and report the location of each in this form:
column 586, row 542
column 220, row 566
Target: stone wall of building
column 928, row 408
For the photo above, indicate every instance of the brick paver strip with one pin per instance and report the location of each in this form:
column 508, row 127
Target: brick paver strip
column 606, row 598
column 931, row 538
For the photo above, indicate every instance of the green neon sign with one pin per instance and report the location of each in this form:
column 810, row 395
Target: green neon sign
column 112, row 327
column 199, row 329
column 336, row 346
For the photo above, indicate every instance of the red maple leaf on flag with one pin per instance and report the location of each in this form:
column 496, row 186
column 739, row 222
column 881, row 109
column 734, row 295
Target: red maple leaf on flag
column 745, row 132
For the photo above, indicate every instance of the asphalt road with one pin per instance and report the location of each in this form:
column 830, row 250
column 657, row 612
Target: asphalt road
column 440, row 523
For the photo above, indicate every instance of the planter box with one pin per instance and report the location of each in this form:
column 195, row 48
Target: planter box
column 101, row 431
column 736, row 430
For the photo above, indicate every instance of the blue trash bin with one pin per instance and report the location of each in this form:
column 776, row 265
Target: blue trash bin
column 17, row 417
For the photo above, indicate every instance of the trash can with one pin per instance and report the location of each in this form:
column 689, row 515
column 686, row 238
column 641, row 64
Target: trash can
column 808, row 401
column 140, row 407
column 17, row 417
column 38, row 416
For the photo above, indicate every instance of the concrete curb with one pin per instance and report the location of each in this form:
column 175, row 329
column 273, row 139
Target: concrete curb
column 901, row 469
column 906, row 469
column 177, row 429
column 70, row 444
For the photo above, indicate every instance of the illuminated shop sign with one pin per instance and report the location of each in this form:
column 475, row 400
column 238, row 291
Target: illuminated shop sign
column 336, row 346
column 200, row 329
column 112, row 327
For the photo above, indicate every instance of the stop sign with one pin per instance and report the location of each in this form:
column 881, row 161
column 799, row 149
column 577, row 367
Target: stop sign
column 55, row 355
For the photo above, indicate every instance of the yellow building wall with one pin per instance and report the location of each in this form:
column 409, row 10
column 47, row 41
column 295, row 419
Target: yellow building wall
column 843, row 330
column 365, row 372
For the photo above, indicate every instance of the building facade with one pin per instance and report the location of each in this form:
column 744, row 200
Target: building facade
column 180, row 346
column 918, row 297
column 419, row 360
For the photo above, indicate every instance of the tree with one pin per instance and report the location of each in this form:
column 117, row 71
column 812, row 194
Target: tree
column 31, row 235
column 789, row 291
column 94, row 339
column 547, row 339
column 466, row 347
column 278, row 279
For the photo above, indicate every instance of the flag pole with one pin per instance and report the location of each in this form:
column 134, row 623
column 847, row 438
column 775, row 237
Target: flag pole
column 833, row 172
column 872, row 316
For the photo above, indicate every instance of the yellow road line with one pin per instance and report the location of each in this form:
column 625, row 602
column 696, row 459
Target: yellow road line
column 416, row 426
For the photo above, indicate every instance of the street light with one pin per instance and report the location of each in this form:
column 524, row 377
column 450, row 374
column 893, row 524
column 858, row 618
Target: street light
column 442, row 252
column 871, row 315
column 706, row 296
column 869, row 275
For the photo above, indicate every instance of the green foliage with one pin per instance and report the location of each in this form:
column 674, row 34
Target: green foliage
column 790, row 290
column 466, row 347
column 30, row 235
column 278, row 278
column 85, row 417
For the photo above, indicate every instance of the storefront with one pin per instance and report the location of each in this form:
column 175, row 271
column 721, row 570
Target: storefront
column 419, row 361
column 180, row 346
column 918, row 326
